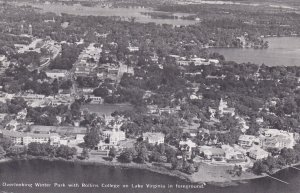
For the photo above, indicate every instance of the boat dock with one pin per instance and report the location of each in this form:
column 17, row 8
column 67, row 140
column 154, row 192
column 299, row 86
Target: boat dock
column 277, row 179
column 295, row 168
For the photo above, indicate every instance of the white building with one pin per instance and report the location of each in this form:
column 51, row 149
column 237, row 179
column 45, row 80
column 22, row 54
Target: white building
column 187, row 145
column 210, row 152
column 133, row 48
column 247, row 140
column 20, row 138
column 232, row 153
column 274, row 138
column 56, row 74
column 223, row 108
column 30, row 97
column 154, row 138
column 257, row 153
column 94, row 99
column 2, row 58
column 79, row 138
column 114, row 136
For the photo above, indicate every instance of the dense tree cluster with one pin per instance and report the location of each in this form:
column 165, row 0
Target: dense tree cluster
column 68, row 57
column 47, row 150
column 47, row 115
column 92, row 138
column 286, row 157
column 32, row 81
column 239, row 19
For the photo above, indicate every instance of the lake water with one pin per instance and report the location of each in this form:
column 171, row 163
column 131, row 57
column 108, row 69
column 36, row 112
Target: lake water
column 35, row 171
column 282, row 51
column 124, row 13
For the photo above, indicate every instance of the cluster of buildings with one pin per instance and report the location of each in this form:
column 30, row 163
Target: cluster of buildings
column 35, row 46
column 19, row 138
column 47, row 134
column 38, row 100
column 258, row 147
column 87, row 61
column 222, row 109
column 58, row 74
column 197, row 61
column 225, row 154
column 133, row 48
column 248, row 149
column 87, row 65
column 155, row 110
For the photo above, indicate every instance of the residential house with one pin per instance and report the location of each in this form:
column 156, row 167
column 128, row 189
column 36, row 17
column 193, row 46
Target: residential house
column 234, row 154
column 12, row 125
column 247, row 140
column 209, row 153
column 187, row 145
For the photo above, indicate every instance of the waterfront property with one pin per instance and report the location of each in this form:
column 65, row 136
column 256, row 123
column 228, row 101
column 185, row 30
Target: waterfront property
column 282, row 51
column 20, row 138
column 274, row 138
column 29, row 170
column 210, row 153
column 257, row 153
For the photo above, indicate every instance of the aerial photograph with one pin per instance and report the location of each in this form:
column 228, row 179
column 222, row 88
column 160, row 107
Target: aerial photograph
column 149, row 96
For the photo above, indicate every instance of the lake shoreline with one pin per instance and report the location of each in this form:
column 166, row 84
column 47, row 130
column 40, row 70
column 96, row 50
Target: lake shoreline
column 147, row 166
column 151, row 168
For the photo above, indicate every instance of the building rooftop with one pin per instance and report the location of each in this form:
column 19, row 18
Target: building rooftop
column 33, row 135
column 211, row 150
column 247, row 137
column 62, row 130
column 149, row 134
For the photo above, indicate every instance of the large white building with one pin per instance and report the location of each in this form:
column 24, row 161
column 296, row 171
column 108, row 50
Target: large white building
column 56, row 74
column 274, row 138
column 224, row 109
column 154, row 138
column 187, row 145
column 20, row 138
column 114, row 136
column 257, row 153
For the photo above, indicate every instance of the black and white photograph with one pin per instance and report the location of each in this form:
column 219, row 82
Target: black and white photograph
column 149, row 96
